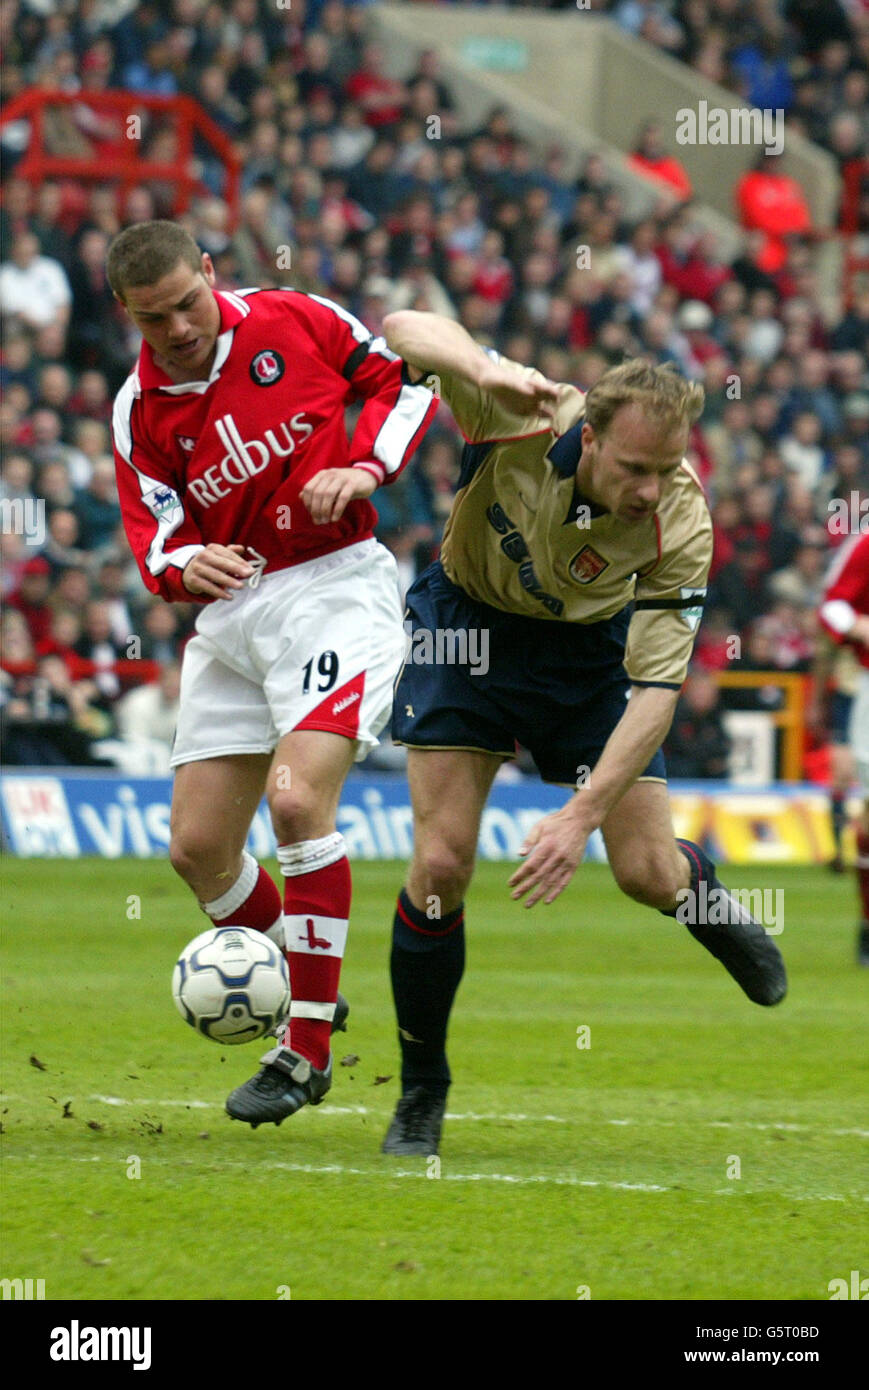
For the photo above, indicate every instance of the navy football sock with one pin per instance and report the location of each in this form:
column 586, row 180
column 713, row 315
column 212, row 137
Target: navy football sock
column 702, row 871
column 426, row 965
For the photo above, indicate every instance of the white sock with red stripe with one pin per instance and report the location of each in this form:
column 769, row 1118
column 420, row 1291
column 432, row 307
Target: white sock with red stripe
column 252, row 901
column 316, row 912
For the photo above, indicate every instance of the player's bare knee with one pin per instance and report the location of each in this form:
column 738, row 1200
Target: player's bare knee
column 195, row 858
column 296, row 813
column 651, row 881
column 444, row 870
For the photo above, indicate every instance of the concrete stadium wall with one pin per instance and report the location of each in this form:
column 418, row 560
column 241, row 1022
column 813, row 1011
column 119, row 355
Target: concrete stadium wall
column 578, row 79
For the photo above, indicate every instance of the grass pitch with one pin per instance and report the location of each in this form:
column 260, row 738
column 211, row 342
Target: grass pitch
column 698, row 1147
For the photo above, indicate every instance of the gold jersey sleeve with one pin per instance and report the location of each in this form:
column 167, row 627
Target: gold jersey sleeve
column 481, row 416
column 670, row 595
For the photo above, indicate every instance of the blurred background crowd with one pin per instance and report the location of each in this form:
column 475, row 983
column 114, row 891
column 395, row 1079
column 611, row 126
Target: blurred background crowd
column 339, row 165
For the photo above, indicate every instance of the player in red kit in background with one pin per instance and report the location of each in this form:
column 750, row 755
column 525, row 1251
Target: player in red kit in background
column 239, row 491
column 844, row 613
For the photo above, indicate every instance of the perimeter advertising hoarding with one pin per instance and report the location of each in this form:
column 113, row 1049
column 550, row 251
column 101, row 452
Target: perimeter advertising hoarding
column 74, row 814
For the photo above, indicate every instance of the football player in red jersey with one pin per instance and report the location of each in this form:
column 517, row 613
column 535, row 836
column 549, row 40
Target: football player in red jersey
column 240, row 492
column 844, row 614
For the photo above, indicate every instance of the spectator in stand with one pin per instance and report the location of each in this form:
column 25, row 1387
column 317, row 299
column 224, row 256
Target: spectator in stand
column 761, row 67
column 17, row 648
column 256, row 242
column 16, row 479
column 97, row 507
column 148, row 714
column 741, row 586
column 34, row 290
column 99, row 646
column 94, row 337
column 650, row 159
column 161, row 629
column 697, row 746
column 770, row 201
column 63, row 543
column 801, row 583
column 802, row 452
column 152, row 74
column 31, row 597
column 381, row 98
column 63, row 634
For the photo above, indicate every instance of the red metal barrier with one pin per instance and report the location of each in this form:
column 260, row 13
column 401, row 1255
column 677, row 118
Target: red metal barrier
column 118, row 160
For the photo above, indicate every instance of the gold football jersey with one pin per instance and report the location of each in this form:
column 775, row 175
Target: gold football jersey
column 522, row 539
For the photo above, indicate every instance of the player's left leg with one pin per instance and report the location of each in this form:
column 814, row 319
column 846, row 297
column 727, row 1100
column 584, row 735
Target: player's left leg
column 859, row 735
column 303, row 790
column 843, row 774
column 863, row 883
column 679, row 879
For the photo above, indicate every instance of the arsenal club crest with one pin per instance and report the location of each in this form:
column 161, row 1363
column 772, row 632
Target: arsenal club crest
column 587, row 565
column 267, row 367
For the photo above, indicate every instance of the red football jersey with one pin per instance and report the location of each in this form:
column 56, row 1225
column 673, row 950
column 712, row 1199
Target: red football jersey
column 226, row 459
column 846, row 595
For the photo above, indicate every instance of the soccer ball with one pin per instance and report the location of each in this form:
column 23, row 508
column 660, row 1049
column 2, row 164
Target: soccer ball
column 232, row 985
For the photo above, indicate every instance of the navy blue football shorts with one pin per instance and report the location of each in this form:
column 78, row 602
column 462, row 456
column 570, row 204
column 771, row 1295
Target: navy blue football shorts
column 479, row 679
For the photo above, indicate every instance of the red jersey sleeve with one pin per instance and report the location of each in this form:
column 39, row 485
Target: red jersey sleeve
column 846, row 594
column 162, row 536
column 396, row 413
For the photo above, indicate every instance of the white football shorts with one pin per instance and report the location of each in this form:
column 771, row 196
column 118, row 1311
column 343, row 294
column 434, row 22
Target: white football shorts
column 314, row 646
column 859, row 731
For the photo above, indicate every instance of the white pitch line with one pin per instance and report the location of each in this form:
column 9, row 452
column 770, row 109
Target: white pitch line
column 514, row 1179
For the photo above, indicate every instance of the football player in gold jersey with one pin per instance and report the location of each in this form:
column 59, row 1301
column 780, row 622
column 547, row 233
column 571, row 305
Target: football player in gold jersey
column 574, row 566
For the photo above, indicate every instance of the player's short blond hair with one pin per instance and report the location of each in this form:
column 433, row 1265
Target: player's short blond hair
column 659, row 390
column 144, row 253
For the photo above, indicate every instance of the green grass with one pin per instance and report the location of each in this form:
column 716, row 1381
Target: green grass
column 605, row 1166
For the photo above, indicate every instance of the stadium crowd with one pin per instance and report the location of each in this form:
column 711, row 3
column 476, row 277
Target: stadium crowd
column 377, row 207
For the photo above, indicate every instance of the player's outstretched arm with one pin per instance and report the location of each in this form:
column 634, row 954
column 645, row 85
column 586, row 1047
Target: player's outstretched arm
column 554, row 847
column 430, row 343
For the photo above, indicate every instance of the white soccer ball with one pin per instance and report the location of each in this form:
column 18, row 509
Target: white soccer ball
column 232, row 985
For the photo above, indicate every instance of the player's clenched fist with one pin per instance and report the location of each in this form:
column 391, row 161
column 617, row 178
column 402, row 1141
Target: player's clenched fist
column 328, row 493
column 217, row 571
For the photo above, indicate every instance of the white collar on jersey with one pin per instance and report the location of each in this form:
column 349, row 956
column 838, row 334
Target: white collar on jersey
column 223, row 344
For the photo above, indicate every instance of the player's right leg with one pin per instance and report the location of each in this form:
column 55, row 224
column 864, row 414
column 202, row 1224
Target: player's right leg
column 843, row 774
column 863, row 882
column 448, row 791
column 859, row 732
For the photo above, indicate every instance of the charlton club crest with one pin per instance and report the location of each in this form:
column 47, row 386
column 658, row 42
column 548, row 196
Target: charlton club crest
column 267, row 367
column 587, row 565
